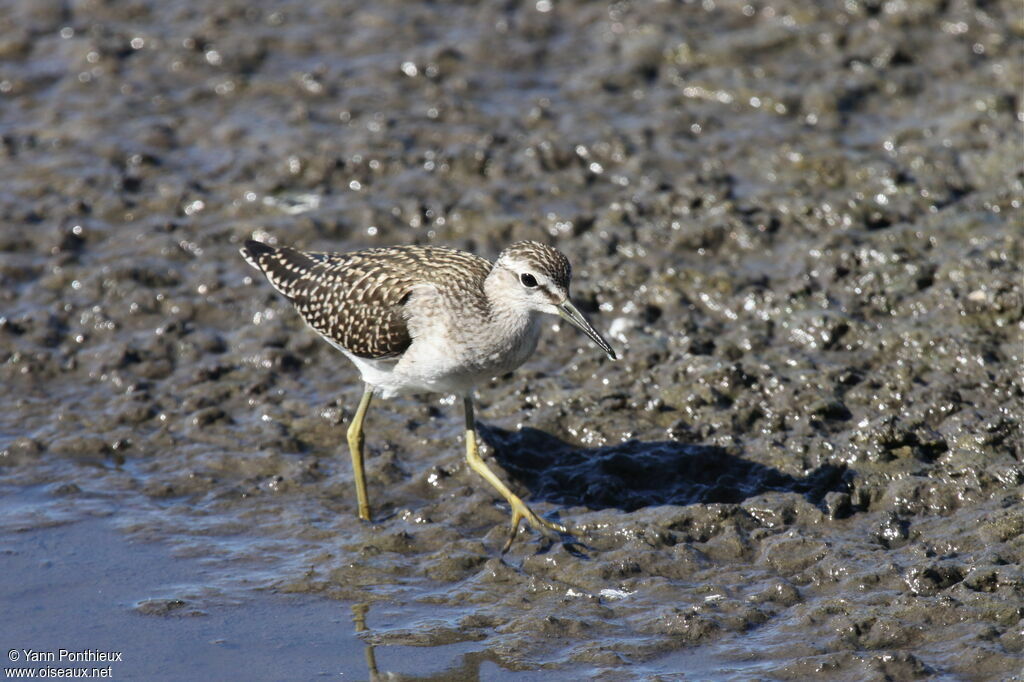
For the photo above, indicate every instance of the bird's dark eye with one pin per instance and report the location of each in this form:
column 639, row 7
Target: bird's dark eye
column 528, row 280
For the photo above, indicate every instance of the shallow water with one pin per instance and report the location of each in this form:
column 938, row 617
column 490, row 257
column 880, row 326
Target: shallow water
column 83, row 587
column 798, row 223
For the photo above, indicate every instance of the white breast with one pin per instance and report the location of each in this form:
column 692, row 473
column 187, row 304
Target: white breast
column 451, row 354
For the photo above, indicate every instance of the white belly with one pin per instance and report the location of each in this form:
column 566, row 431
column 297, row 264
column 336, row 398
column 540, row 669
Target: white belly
column 437, row 364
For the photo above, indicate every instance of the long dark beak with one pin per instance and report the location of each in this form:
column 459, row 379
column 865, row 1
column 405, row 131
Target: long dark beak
column 567, row 311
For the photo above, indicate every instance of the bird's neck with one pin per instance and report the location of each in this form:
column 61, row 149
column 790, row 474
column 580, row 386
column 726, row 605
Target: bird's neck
column 509, row 323
column 504, row 310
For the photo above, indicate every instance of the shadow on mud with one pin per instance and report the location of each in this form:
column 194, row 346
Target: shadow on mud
column 636, row 474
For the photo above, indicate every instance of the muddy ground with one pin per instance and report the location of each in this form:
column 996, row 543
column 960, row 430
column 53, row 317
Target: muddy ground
column 798, row 223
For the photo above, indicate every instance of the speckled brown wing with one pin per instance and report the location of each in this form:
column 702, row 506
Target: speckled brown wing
column 357, row 300
column 354, row 300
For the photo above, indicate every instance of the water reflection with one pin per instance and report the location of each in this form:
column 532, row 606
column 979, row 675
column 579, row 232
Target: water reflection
column 359, row 611
column 454, row 662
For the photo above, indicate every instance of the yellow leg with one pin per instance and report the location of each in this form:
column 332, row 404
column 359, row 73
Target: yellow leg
column 520, row 511
column 355, row 448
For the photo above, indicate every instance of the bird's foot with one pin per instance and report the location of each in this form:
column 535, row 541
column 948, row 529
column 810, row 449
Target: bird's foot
column 521, row 512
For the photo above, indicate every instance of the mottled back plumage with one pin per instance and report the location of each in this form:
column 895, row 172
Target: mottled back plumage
column 356, row 300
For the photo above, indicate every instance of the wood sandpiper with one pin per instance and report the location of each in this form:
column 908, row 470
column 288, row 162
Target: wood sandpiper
column 426, row 319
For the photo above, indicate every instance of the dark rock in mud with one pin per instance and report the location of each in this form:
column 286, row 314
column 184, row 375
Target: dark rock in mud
column 166, row 607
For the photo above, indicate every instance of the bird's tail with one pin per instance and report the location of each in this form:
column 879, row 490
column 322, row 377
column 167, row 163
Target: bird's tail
column 253, row 251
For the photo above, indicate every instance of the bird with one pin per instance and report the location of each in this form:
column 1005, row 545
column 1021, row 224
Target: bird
column 428, row 319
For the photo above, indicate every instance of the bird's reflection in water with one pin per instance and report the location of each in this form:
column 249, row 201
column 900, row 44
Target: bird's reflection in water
column 462, row 665
column 359, row 612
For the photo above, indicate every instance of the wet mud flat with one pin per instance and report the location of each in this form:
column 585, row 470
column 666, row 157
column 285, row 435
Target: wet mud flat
column 798, row 222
